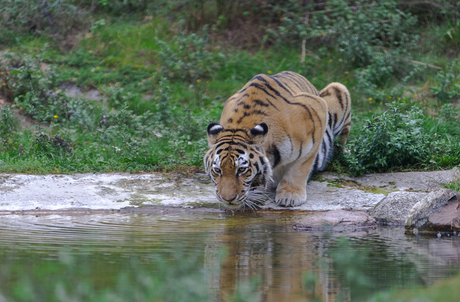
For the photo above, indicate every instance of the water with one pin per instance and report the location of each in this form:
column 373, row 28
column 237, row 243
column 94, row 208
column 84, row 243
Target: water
column 213, row 256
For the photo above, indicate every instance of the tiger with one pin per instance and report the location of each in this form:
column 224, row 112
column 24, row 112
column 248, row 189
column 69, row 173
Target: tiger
column 274, row 133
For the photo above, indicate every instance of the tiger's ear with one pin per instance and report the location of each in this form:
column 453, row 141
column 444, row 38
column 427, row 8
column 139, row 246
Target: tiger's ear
column 213, row 129
column 259, row 133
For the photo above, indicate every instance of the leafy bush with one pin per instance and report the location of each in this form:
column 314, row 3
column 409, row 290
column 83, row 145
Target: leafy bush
column 392, row 139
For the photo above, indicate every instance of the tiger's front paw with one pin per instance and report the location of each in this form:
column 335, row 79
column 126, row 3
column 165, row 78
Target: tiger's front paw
column 290, row 198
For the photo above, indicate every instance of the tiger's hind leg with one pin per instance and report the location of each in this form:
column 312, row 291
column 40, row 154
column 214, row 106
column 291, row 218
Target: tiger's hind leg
column 338, row 102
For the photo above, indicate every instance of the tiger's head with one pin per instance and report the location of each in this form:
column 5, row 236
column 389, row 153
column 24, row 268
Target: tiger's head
column 236, row 162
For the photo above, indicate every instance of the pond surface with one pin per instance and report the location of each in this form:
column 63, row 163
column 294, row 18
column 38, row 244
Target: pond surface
column 209, row 257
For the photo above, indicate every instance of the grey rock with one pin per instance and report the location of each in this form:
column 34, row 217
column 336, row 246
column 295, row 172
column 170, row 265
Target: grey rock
column 437, row 211
column 337, row 221
column 395, row 207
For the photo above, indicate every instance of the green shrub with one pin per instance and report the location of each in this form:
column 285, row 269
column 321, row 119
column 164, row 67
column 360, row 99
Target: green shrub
column 392, row 139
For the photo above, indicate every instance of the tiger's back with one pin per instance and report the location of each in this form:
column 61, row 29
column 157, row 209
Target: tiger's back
column 284, row 119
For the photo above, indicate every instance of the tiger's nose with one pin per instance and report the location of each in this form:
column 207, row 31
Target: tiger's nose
column 231, row 199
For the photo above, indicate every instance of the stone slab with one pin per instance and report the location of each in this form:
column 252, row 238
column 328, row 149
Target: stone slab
column 20, row 192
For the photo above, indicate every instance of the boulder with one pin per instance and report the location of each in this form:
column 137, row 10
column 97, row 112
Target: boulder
column 438, row 211
column 395, row 207
column 337, row 221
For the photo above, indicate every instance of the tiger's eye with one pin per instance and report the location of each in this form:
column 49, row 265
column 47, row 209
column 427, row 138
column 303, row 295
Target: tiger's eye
column 242, row 170
column 217, row 170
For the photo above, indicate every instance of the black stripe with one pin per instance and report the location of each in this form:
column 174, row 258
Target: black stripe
column 300, row 84
column 313, row 90
column 224, row 157
column 260, row 103
column 282, row 86
column 272, row 149
column 242, row 97
column 329, row 137
column 348, row 115
column 308, row 87
column 229, row 143
column 347, row 101
column 254, row 112
column 258, row 86
column 338, row 95
column 276, row 92
column 284, row 75
column 300, row 150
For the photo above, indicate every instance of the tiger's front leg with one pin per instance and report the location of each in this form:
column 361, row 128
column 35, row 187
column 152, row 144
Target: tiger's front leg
column 292, row 189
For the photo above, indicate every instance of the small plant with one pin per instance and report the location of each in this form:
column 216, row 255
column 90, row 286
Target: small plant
column 50, row 147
